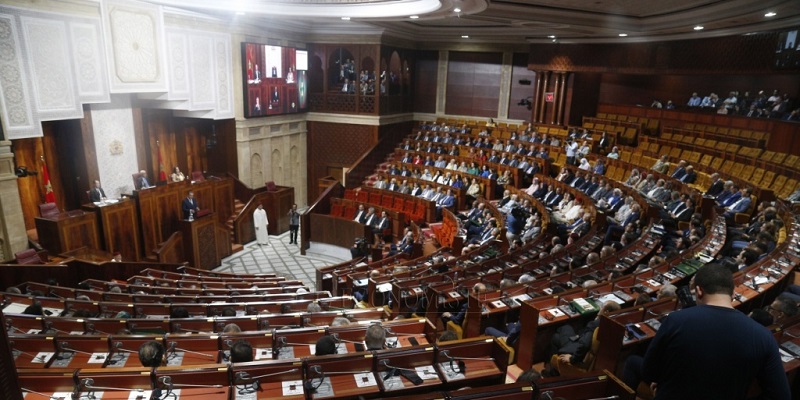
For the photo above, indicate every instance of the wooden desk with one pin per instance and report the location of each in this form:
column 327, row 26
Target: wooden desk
column 276, row 379
column 132, row 378
column 420, row 359
column 68, row 231
column 119, row 227
column 205, row 243
column 337, row 231
column 183, row 382
column 343, row 375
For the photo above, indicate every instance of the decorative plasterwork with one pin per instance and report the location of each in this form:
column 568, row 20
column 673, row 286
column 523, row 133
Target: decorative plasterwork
column 134, row 34
column 18, row 121
column 88, row 60
column 50, row 69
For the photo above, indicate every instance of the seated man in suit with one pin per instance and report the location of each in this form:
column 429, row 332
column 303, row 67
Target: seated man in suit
column 380, row 225
column 571, row 346
column 241, row 351
column 375, row 339
column 97, row 194
column 741, row 205
column 143, row 182
column 716, row 187
column 458, row 318
column 446, row 201
column 189, row 206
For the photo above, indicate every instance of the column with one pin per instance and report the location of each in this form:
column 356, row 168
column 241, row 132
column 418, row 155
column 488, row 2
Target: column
column 12, row 224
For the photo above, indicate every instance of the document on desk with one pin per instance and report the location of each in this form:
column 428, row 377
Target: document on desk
column 610, row 297
column 365, row 379
column 556, row 312
column 449, row 373
column 263, row 354
column 426, row 372
column 98, row 358
column 292, row 388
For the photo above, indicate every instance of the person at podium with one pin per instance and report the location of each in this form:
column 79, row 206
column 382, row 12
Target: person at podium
column 261, row 223
column 97, row 194
column 189, row 206
column 143, row 182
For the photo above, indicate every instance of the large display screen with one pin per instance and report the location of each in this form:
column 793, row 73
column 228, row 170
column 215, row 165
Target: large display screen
column 275, row 80
column 787, row 52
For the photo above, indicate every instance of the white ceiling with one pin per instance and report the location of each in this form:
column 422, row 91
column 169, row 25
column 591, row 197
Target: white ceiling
column 515, row 21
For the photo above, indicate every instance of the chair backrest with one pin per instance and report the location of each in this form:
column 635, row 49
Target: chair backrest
column 591, row 356
column 271, row 187
column 28, row 256
column 48, row 210
column 197, row 176
column 136, row 180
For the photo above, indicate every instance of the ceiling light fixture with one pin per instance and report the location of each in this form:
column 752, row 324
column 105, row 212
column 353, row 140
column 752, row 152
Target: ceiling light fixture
column 345, row 18
column 623, row 34
column 551, row 36
column 698, row 28
column 414, row 17
column 465, row 36
column 458, row 10
column 770, row 14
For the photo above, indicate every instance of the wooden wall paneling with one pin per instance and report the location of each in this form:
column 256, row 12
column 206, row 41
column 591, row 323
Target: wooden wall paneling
column 89, row 147
column 222, row 158
column 223, row 199
column 64, row 233
column 119, row 228
column 66, row 155
column 337, row 145
column 139, row 133
column 426, row 77
column 27, row 153
column 473, row 83
column 583, row 92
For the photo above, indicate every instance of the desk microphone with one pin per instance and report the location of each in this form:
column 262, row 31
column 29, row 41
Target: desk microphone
column 167, row 381
column 605, row 398
column 658, row 315
column 336, row 338
column 446, row 353
column 47, row 396
column 54, row 294
column 254, row 384
column 64, row 346
column 178, row 328
column 48, row 326
column 9, row 326
column 386, row 364
column 173, row 349
column 31, row 355
column 90, row 327
column 389, row 331
column 118, row 347
column 88, row 383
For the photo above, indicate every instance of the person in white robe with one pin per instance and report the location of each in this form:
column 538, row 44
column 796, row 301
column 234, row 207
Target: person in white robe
column 261, row 223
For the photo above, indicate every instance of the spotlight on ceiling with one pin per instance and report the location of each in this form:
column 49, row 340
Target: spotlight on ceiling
column 623, row 34
column 770, row 14
column 414, row 17
column 345, row 18
column 465, row 36
column 698, row 28
column 458, row 10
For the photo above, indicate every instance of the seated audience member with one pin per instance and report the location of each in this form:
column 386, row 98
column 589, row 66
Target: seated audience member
column 177, row 175
column 511, row 333
column 668, row 291
column 730, row 195
column 447, row 336
column 740, row 205
column 571, row 346
column 231, row 328
column 375, row 339
column 313, row 307
column 179, row 312
column 530, row 376
column 763, row 317
column 340, row 321
column 458, row 318
column 662, row 165
column 151, row 354
column 782, row 307
column 34, row 309
column 326, row 345
column 241, row 351
column 716, row 187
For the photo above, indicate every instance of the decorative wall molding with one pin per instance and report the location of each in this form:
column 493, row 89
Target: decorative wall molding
column 18, row 121
column 134, row 35
column 50, row 65
column 50, row 69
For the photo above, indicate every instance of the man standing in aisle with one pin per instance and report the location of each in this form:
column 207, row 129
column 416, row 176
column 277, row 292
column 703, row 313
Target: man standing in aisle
column 294, row 224
column 261, row 224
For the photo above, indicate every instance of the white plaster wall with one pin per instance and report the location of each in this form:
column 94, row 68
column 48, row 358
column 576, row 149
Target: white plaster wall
column 114, row 122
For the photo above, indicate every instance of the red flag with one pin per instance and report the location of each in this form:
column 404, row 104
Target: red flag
column 49, row 195
column 162, row 175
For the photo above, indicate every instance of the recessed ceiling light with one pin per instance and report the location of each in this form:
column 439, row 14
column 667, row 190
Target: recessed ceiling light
column 770, row 14
column 623, row 34
column 465, row 36
column 345, row 18
column 698, row 28
column 551, row 36
column 414, row 16
column 458, row 10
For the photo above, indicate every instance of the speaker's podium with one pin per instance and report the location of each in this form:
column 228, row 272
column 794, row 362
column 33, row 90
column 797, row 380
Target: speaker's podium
column 205, row 241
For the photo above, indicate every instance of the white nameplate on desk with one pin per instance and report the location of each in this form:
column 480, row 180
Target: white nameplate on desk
column 42, row 357
column 292, row 388
column 365, row 380
column 556, row 312
column 427, row 372
column 498, row 304
column 384, row 287
column 454, row 294
column 140, row 394
column 653, row 282
column 263, row 354
column 98, row 358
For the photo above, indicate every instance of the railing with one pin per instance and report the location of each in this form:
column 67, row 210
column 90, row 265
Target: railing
column 171, row 250
column 320, row 206
column 241, row 191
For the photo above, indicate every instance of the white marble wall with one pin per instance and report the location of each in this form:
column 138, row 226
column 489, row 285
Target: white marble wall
column 115, row 144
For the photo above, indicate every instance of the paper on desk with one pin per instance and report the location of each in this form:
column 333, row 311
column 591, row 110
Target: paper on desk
column 140, row 394
column 393, row 383
column 556, row 312
column 263, row 354
column 427, row 372
column 785, row 356
column 449, row 373
column 42, row 357
column 97, row 358
column 292, row 388
column 610, row 297
column 365, row 379
column 14, row 308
